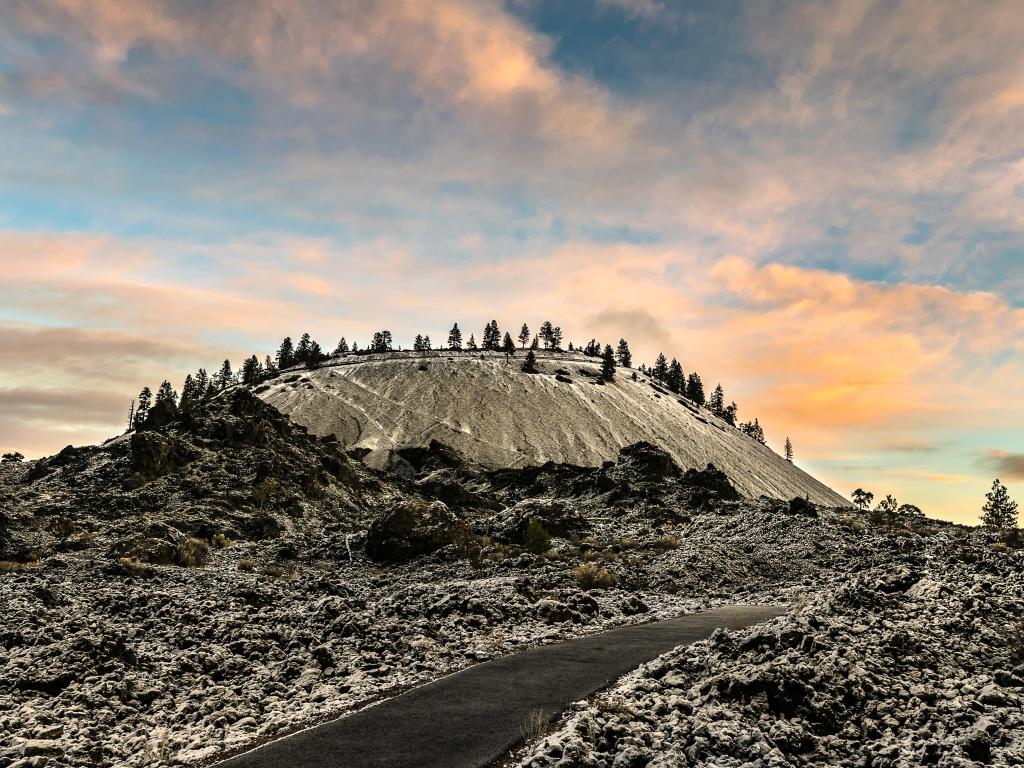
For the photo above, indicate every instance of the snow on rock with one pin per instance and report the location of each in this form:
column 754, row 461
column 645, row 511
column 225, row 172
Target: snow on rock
column 484, row 406
column 901, row 666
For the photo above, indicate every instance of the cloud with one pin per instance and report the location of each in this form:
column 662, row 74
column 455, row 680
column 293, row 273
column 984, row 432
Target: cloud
column 472, row 57
column 910, row 446
column 1004, row 463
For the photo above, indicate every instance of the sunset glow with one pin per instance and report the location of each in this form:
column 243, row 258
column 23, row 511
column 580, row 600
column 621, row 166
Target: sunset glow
column 820, row 206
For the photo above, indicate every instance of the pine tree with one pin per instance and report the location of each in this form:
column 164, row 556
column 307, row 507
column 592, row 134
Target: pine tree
column 524, row 335
column 471, row 345
column 202, row 385
column 625, row 357
column 556, row 338
column 285, row 354
column 131, row 414
column 593, row 348
column 492, row 336
column 674, row 379
column 1000, row 511
column 660, row 369
column 315, row 356
column 862, row 499
column 571, row 347
column 608, row 364
column 455, row 337
column 142, row 410
column 342, row 348
column 426, row 344
column 225, row 376
column 302, row 349
column 507, row 345
column 166, row 393
column 189, row 396
column 545, row 333
column 250, row 370
column 530, row 364
column 417, row 343
column 754, row 430
column 695, row 389
column 535, row 344
column 269, row 369
column 789, row 450
column 717, row 402
column 729, row 413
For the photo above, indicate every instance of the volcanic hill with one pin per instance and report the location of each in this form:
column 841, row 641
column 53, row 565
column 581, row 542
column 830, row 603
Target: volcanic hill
column 485, row 406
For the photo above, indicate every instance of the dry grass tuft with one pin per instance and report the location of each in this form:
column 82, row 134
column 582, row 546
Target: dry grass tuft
column 12, row 566
column 591, row 576
column 535, row 726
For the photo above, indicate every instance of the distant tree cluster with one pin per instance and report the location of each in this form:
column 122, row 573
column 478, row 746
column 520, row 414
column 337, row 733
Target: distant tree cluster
column 998, row 513
column 199, row 387
column 888, row 513
column 307, row 352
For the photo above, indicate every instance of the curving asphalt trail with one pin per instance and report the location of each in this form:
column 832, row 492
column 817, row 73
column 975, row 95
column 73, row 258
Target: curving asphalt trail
column 473, row 717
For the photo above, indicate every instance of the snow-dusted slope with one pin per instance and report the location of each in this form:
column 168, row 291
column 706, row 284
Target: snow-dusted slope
column 487, row 408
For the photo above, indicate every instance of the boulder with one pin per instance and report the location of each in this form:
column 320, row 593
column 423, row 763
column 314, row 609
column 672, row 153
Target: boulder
column 713, row 479
column 413, row 528
column 161, row 544
column 557, row 517
column 647, row 462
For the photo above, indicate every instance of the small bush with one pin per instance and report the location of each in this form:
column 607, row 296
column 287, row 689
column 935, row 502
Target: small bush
column 192, row 553
column 264, row 492
column 246, row 565
column 220, row 541
column 591, row 576
column 536, row 539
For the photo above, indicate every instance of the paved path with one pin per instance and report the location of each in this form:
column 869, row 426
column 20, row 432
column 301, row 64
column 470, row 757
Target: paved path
column 471, row 718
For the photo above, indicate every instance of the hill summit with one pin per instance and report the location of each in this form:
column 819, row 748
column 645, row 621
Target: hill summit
column 485, row 406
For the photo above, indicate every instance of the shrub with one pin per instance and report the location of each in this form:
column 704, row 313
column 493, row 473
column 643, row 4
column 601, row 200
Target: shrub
column 264, row 492
column 850, row 523
column 591, row 576
column 535, row 726
column 220, row 541
column 192, row 552
column 246, row 565
column 13, row 456
column 536, row 539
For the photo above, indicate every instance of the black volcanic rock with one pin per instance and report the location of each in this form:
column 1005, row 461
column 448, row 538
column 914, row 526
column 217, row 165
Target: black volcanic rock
column 413, row 528
column 235, row 466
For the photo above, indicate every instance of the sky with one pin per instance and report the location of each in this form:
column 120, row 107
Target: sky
column 819, row 205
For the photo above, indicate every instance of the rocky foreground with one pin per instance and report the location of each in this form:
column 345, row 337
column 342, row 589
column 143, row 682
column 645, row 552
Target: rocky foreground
column 222, row 577
column 921, row 664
